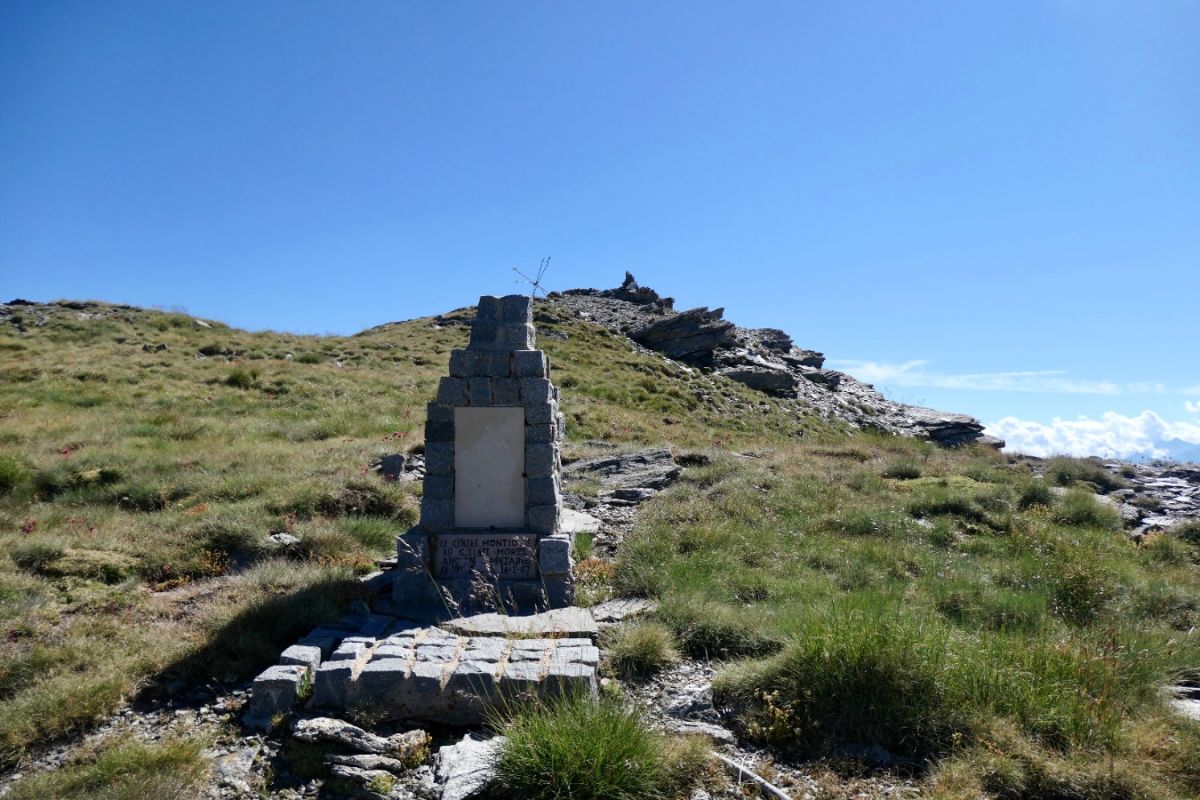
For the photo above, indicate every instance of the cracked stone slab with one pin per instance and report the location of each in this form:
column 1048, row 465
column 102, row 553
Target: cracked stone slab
column 570, row 621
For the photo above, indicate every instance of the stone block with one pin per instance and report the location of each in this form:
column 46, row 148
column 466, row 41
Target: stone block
column 563, row 679
column 440, row 654
column 523, row 670
column 489, row 308
column 516, row 337
column 495, row 365
column 440, row 487
column 580, row 653
column 536, row 390
column 389, row 651
column 332, row 683
column 471, row 690
column 452, row 391
column 464, row 363
column 554, row 555
column 439, row 458
column 323, row 643
column 479, row 391
column 303, row 655
column 376, row 625
column 541, row 460
column 349, row 651
column 542, row 519
column 522, row 597
column 437, row 432
column 539, row 413
column 439, row 412
column 560, row 422
column 415, row 590
column 516, row 308
column 541, row 491
column 506, row 392
column 560, row 591
column 484, row 648
column 380, row 680
column 412, row 550
column 485, row 336
column 540, row 434
column 437, row 514
column 531, row 364
column 274, row 692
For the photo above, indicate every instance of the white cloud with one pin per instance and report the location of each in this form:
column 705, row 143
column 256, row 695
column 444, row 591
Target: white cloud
column 1192, row 407
column 915, row 373
column 1114, row 435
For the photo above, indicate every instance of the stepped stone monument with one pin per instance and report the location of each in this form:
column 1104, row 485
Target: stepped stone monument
column 489, row 536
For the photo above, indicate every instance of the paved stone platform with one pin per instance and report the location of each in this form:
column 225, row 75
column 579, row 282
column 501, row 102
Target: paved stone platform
column 431, row 675
column 420, row 674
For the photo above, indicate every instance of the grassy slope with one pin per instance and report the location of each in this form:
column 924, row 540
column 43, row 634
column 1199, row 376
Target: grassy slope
column 868, row 590
column 138, row 489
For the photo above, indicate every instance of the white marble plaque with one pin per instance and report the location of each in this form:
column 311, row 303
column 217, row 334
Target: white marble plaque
column 499, row 555
column 489, row 467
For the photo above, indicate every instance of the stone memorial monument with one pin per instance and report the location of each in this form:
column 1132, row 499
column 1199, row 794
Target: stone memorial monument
column 489, row 536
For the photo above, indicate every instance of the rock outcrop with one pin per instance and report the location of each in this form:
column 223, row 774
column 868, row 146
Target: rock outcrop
column 765, row 359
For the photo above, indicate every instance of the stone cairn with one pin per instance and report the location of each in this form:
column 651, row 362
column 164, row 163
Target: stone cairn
column 489, row 536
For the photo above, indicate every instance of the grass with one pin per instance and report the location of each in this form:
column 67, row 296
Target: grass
column 582, row 748
column 640, row 649
column 947, row 618
column 123, row 769
column 858, row 590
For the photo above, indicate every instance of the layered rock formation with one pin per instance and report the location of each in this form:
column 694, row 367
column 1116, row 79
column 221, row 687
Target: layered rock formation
column 765, row 359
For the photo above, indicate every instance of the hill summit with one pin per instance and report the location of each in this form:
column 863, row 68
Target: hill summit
column 765, row 359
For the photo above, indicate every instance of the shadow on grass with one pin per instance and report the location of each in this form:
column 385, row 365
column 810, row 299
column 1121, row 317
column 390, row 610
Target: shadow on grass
column 251, row 638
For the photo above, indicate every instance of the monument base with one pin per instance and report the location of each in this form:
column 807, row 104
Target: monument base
column 470, row 571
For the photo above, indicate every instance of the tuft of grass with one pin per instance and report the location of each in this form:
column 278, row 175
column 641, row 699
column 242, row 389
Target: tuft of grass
column 241, row 378
column 1079, row 508
column 856, row 677
column 902, row 469
column 1067, row 471
column 586, row 748
column 640, row 649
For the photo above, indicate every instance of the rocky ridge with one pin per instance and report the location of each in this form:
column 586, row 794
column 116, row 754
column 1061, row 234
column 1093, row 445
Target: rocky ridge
column 765, row 359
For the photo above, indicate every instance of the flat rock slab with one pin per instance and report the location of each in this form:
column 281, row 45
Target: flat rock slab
column 465, row 769
column 570, row 621
column 620, row 609
column 577, row 522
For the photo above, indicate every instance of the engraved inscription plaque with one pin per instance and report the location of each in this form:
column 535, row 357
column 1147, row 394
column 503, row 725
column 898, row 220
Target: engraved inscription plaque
column 511, row 556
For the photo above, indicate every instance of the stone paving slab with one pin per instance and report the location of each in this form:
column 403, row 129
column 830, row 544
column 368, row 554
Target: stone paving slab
column 570, row 621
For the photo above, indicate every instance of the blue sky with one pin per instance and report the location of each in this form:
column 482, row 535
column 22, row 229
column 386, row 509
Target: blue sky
column 987, row 207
